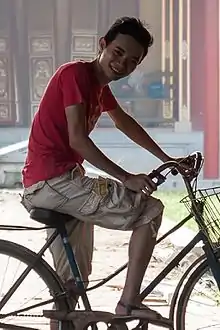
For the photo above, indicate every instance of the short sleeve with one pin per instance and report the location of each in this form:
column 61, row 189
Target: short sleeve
column 73, row 84
column 108, row 100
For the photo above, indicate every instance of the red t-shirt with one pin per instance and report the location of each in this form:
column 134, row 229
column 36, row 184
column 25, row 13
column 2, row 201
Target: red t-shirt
column 49, row 154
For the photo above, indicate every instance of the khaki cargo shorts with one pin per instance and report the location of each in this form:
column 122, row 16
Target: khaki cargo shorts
column 93, row 201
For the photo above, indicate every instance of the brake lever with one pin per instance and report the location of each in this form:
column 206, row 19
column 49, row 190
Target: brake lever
column 196, row 159
column 199, row 161
column 186, row 161
column 159, row 178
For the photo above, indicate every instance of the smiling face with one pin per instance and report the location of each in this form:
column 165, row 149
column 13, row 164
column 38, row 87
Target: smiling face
column 121, row 57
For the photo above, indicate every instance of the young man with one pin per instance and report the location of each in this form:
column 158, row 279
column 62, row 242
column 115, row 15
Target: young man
column 59, row 142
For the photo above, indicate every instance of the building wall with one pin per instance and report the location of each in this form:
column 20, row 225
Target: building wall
column 45, row 34
column 60, row 38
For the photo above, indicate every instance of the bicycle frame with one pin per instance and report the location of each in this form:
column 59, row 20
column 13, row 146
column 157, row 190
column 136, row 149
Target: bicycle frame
column 174, row 263
column 200, row 236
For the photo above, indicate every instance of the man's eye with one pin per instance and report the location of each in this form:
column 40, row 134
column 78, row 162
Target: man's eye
column 117, row 52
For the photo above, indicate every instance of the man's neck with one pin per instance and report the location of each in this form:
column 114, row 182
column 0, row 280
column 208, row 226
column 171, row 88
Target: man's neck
column 101, row 77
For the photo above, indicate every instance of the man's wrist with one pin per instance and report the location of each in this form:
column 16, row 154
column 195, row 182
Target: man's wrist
column 123, row 176
column 165, row 158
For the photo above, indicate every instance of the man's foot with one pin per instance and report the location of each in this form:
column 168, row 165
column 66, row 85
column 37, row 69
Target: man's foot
column 137, row 311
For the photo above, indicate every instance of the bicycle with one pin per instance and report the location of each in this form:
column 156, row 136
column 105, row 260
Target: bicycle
column 202, row 206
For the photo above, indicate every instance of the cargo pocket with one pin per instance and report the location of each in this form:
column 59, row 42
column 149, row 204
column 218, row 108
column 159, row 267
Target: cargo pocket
column 96, row 196
column 30, row 192
column 91, row 205
column 27, row 199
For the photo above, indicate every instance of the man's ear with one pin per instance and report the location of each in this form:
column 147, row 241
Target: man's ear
column 102, row 44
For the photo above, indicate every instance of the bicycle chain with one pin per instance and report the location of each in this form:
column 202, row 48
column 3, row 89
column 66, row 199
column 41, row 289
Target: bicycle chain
column 28, row 315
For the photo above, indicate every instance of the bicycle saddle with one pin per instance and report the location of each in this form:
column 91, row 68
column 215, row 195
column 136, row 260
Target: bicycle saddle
column 49, row 217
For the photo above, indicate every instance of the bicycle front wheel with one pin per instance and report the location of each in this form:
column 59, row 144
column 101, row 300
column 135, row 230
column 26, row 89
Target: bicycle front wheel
column 198, row 306
column 39, row 285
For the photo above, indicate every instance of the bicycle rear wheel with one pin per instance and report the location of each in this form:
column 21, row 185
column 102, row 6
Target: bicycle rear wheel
column 198, row 305
column 42, row 280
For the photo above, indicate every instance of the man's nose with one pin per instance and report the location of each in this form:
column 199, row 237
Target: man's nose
column 122, row 62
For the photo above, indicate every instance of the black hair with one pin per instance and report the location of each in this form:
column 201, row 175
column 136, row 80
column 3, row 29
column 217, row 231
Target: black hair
column 133, row 27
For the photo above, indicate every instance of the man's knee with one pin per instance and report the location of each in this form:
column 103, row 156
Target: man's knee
column 157, row 216
column 155, row 225
column 160, row 206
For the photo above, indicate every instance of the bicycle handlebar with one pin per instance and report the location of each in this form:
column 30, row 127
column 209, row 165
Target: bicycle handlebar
column 194, row 160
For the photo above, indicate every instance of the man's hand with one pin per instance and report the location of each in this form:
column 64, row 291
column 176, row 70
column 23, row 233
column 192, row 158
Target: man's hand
column 140, row 182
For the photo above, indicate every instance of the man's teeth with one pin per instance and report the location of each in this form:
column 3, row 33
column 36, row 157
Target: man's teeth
column 115, row 70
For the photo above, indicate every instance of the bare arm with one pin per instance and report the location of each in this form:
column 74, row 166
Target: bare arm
column 136, row 133
column 81, row 143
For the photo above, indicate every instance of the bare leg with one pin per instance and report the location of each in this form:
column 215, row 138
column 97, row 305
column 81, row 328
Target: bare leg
column 141, row 247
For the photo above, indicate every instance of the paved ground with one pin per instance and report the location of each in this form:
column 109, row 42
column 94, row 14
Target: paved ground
column 110, row 253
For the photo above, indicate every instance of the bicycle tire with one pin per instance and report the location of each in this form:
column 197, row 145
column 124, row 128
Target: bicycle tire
column 187, row 290
column 41, row 267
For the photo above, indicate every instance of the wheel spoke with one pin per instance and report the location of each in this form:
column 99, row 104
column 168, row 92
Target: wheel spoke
column 200, row 297
column 23, row 297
